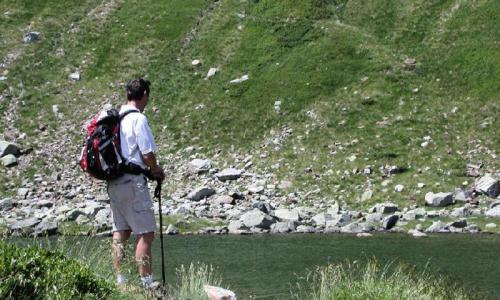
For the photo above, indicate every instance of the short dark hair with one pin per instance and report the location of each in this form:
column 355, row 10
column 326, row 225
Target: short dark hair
column 136, row 88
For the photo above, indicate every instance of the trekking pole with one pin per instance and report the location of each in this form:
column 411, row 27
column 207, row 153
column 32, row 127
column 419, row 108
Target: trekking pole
column 158, row 195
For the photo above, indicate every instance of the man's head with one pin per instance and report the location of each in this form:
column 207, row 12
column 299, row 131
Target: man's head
column 138, row 92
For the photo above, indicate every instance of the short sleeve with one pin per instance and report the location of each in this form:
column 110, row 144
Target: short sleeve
column 144, row 135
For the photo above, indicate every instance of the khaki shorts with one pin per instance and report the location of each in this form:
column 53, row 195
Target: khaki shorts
column 131, row 205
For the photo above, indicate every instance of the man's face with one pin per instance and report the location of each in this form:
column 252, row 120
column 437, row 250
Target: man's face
column 144, row 101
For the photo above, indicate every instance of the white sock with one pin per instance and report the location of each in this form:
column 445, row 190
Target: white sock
column 147, row 280
column 120, row 279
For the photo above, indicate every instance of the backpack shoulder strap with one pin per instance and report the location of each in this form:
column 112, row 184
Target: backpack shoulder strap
column 128, row 112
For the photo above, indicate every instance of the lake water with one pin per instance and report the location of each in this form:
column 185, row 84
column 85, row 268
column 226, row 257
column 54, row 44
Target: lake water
column 264, row 266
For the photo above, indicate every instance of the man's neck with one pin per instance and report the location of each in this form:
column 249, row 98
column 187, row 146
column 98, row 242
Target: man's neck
column 134, row 104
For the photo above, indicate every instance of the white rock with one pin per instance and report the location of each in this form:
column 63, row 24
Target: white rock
column 2, row 78
column 421, row 185
column 229, row 174
column 488, row 185
column 399, row 188
column 218, row 293
column 493, row 212
column 287, row 214
column 200, row 165
column 240, row 80
column 438, row 199
column 212, row 72
column 196, row 62
column 74, row 76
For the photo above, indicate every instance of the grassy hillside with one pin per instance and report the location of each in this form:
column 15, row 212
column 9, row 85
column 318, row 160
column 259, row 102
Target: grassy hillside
column 336, row 66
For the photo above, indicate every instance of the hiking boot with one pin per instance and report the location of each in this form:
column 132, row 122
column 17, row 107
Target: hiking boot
column 152, row 286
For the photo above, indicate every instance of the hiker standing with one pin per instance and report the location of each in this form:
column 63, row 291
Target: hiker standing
column 131, row 203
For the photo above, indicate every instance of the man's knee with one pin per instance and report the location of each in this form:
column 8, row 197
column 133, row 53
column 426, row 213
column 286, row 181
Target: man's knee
column 146, row 237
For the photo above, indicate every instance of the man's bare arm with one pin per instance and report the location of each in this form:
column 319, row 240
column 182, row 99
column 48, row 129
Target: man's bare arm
column 150, row 161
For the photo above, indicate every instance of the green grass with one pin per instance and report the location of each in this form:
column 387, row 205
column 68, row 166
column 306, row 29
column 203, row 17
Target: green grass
column 335, row 65
column 374, row 281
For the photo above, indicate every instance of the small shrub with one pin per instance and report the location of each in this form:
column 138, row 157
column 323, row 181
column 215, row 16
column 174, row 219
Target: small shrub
column 36, row 273
column 372, row 281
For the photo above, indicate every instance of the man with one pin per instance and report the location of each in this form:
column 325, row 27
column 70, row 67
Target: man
column 131, row 204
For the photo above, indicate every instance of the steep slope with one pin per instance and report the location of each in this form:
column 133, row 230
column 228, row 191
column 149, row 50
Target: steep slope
column 328, row 96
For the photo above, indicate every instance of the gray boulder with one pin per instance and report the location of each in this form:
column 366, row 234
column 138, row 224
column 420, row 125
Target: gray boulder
column 437, row 226
column 103, row 217
column 283, row 227
column 287, row 215
column 472, row 228
column 488, row 185
column 229, row 174
column 6, row 204
column 45, row 227
column 256, row 218
column 338, row 220
column 305, row 229
column 9, row 160
column 414, row 214
column 22, row 193
column 200, row 193
column 92, row 208
column 262, row 206
column 183, row 209
column 354, row 227
column 44, row 203
column 438, row 199
column 31, row 37
column 256, row 189
column 374, row 217
column 224, row 199
column 73, row 214
column 493, row 212
column 171, row 230
column 390, row 221
column 321, row 219
column 460, row 212
column 200, row 165
column 461, row 195
column 334, row 209
column 25, row 226
column 384, row 208
column 7, row 148
column 236, row 227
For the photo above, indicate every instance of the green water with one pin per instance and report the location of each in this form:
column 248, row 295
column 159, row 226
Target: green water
column 265, row 266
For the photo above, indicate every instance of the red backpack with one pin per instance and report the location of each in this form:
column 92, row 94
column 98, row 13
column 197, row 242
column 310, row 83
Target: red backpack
column 101, row 155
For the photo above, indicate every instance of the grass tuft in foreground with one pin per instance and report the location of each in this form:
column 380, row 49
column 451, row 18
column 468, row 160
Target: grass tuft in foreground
column 373, row 281
column 192, row 279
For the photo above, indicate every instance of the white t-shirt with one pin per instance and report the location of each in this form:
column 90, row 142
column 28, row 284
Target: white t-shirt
column 136, row 137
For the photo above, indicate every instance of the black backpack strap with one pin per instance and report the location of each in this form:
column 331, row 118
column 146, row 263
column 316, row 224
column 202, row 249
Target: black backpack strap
column 128, row 112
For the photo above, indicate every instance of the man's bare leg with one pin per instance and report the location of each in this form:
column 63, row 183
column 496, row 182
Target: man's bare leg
column 143, row 253
column 120, row 239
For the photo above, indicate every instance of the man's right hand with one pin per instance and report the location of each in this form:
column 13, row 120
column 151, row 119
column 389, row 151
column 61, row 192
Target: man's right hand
column 158, row 173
